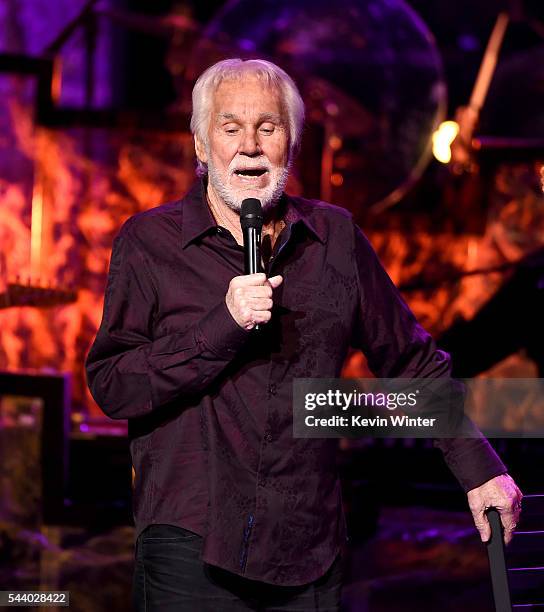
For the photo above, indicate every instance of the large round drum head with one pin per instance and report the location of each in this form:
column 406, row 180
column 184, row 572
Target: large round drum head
column 370, row 75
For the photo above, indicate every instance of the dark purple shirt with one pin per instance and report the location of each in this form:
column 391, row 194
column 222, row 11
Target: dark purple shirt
column 210, row 405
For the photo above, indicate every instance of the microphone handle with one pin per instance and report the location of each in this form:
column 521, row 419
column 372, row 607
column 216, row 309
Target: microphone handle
column 252, row 252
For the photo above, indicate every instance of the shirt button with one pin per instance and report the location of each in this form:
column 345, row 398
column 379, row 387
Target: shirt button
column 272, row 389
column 268, row 437
column 219, row 230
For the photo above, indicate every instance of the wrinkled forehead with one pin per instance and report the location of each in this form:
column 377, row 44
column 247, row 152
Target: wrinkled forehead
column 247, row 96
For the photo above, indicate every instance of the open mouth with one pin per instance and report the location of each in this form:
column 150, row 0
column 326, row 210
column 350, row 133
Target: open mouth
column 250, row 172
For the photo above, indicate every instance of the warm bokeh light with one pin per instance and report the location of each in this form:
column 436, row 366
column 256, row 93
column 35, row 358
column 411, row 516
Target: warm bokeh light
column 335, row 142
column 442, row 140
column 337, row 179
column 36, row 229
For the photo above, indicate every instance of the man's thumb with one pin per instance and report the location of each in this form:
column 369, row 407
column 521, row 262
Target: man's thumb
column 275, row 281
column 482, row 525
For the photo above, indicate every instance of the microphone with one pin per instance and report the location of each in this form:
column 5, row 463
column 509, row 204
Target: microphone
column 251, row 221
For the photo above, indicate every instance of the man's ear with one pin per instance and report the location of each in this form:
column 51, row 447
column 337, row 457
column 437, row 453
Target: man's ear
column 200, row 150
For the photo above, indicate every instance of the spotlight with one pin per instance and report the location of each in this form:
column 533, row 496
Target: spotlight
column 442, row 140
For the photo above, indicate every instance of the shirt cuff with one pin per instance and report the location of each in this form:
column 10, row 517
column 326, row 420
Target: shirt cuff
column 473, row 462
column 220, row 333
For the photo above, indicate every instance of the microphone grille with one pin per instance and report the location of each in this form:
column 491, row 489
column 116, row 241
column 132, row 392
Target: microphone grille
column 251, row 214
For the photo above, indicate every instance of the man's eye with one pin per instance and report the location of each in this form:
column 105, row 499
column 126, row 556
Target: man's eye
column 267, row 130
column 231, row 130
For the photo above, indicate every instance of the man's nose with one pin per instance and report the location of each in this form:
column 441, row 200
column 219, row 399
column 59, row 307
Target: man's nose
column 250, row 144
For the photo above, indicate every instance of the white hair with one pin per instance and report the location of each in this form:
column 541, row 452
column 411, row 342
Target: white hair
column 236, row 69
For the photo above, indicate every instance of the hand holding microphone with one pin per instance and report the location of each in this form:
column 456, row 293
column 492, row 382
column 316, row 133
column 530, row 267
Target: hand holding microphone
column 249, row 298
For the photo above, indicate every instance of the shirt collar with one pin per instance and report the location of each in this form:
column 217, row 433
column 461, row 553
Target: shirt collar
column 198, row 220
column 300, row 212
column 197, row 216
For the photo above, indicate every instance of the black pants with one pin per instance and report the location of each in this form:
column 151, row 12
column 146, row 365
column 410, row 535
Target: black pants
column 170, row 577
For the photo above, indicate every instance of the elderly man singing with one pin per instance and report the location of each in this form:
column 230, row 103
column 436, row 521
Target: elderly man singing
column 231, row 511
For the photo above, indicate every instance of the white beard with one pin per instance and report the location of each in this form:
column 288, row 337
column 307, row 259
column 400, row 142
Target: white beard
column 233, row 197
